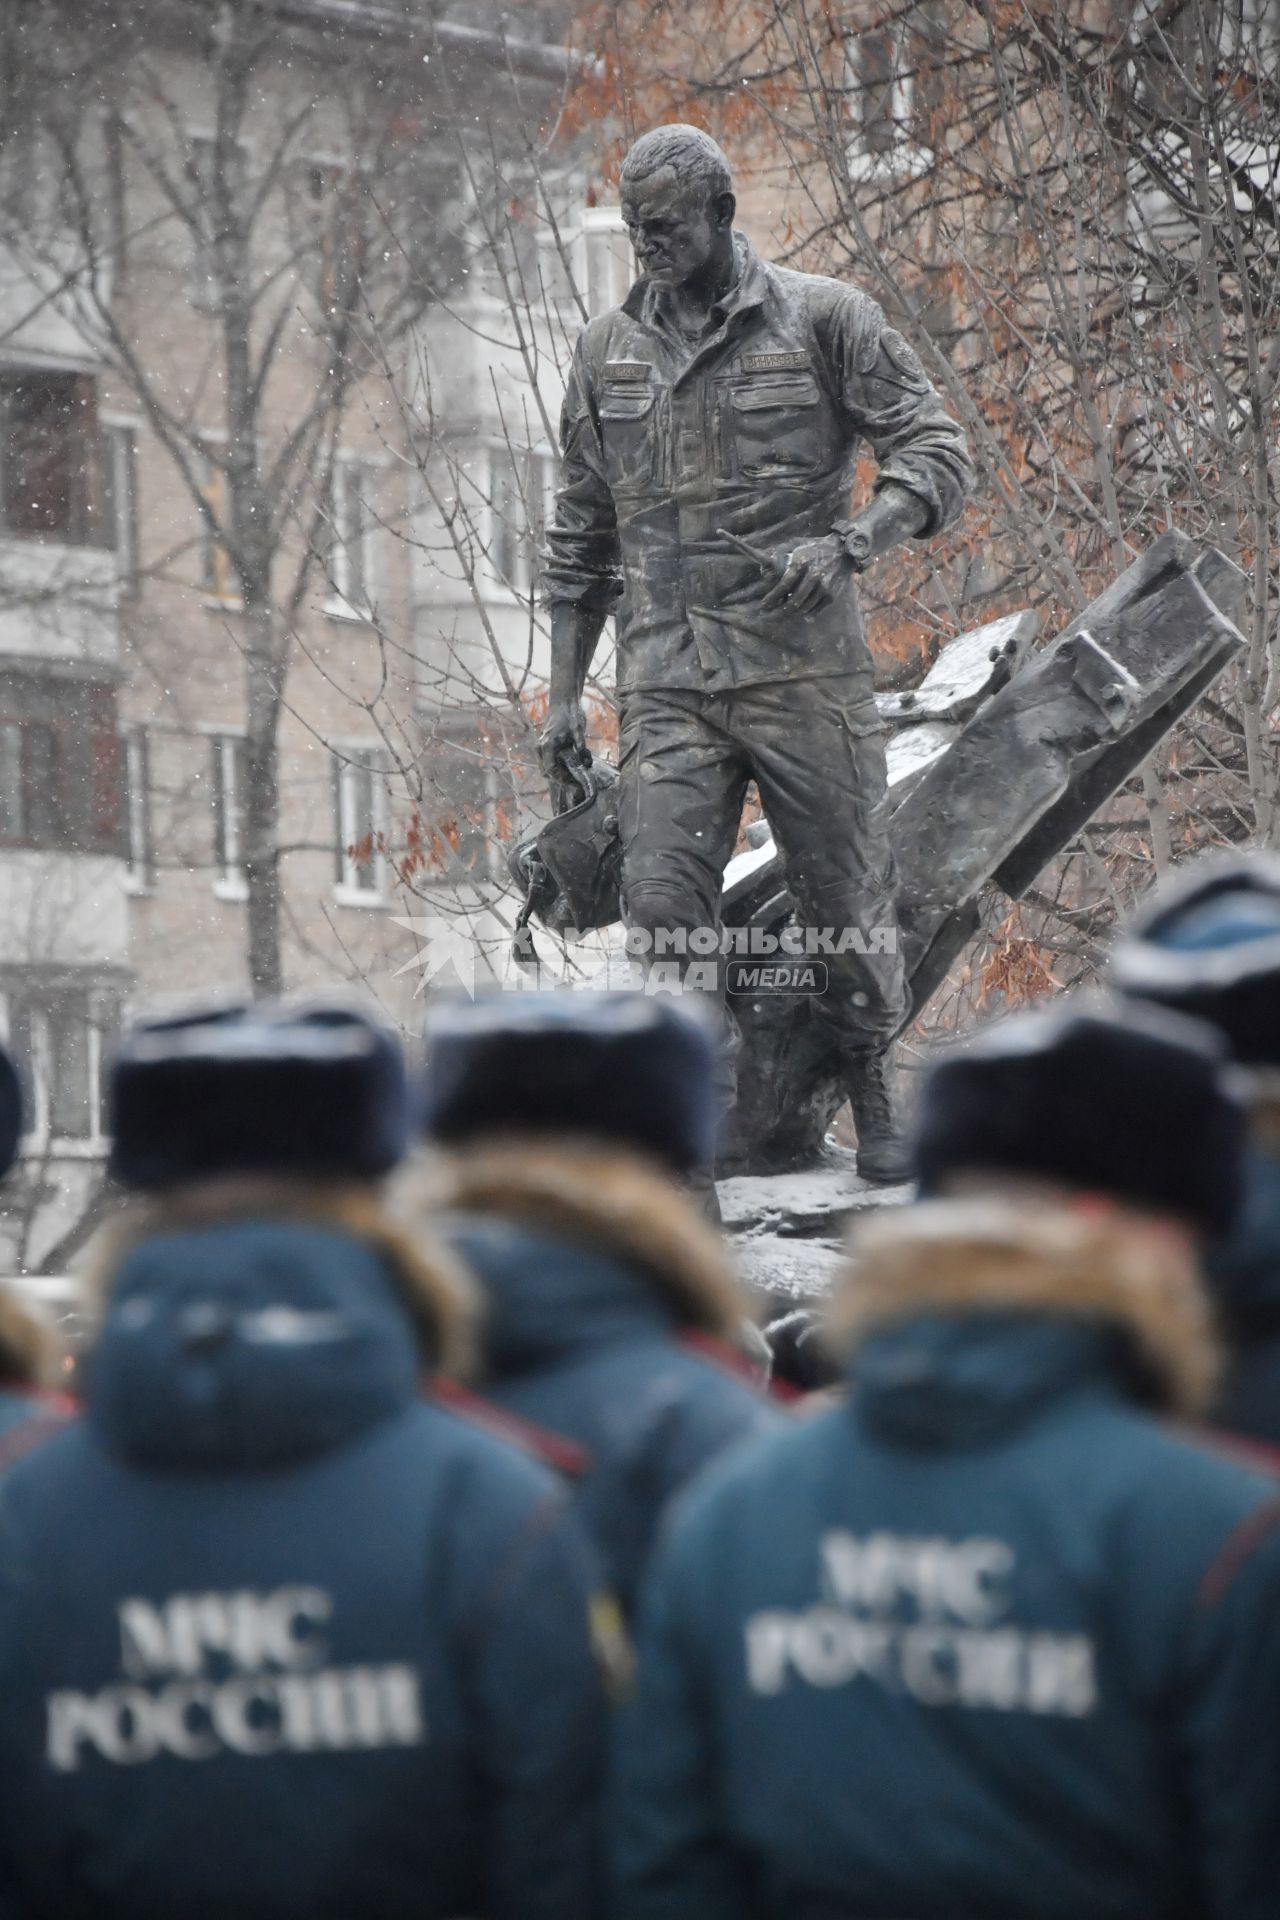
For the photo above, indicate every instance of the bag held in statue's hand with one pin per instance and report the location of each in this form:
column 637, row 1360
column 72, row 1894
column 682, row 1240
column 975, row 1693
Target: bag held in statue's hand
column 570, row 872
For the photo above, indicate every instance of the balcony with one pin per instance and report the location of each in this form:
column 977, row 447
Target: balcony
column 58, row 601
column 61, row 909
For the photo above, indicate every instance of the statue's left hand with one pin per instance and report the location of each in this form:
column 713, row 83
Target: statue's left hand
column 814, row 573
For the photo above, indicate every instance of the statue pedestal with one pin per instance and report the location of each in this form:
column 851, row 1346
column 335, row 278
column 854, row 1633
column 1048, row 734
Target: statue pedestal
column 787, row 1230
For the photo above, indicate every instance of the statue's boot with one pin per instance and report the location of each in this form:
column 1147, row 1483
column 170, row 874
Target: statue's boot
column 871, row 1083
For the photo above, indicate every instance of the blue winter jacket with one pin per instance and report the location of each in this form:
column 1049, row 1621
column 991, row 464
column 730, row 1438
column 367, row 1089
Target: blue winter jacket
column 29, row 1412
column 19, row 1406
column 985, row 1643
column 584, row 1343
column 29, row 1416
column 278, row 1636
column 1246, row 1281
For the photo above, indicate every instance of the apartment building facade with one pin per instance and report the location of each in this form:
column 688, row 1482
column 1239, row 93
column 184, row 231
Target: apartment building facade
column 185, row 231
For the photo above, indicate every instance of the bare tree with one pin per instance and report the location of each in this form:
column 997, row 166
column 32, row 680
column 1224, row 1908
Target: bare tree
column 225, row 224
column 311, row 206
column 478, row 401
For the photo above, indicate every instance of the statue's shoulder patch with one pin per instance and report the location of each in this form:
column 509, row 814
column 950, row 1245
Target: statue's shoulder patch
column 898, row 364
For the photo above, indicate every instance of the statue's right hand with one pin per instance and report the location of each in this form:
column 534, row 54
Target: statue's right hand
column 563, row 751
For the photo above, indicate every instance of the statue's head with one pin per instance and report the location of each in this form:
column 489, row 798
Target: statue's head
column 677, row 203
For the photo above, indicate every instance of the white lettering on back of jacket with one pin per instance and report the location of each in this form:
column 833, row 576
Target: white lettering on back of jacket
column 242, row 1673
column 926, row 1618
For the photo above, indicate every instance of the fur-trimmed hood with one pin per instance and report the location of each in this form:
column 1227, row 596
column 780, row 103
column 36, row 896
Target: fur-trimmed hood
column 948, row 1274
column 434, row 1289
column 253, row 1322
column 614, row 1233
column 28, row 1350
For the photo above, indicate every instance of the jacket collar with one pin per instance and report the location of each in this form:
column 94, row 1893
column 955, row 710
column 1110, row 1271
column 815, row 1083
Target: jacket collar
column 1021, row 1259
column 602, row 1200
column 749, row 291
column 548, row 1296
column 248, row 1344
column 28, row 1351
column 433, row 1289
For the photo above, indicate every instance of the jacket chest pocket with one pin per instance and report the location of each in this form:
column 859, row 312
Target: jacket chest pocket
column 629, row 429
column 776, row 426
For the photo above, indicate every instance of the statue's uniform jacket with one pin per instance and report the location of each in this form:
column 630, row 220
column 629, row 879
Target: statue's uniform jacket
column 752, row 429
column 756, row 430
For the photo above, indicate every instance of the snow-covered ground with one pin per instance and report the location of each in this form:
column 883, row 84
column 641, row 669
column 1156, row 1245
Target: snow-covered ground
column 787, row 1230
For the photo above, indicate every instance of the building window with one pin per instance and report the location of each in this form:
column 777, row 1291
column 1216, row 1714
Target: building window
column 61, row 1038
column 471, row 781
column 360, row 792
column 59, row 763
column 503, row 247
column 50, row 464
column 229, row 756
column 882, row 92
column 120, row 498
column 609, row 266
column 556, row 274
column 30, row 788
column 220, row 580
column 137, row 776
column 105, row 782
column 521, row 495
column 354, row 521
column 334, row 205
column 116, row 184
column 884, row 96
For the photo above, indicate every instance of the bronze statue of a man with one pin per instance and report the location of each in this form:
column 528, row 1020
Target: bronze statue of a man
column 710, row 431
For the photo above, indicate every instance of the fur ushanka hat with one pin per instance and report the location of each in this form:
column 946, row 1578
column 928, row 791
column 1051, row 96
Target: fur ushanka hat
column 1136, row 1104
column 632, row 1068
column 315, row 1090
column 1209, row 945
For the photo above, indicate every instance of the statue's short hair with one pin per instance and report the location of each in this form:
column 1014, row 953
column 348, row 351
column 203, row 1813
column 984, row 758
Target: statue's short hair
column 690, row 152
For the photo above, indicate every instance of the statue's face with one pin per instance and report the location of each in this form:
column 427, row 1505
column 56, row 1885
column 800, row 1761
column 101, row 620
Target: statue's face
column 673, row 226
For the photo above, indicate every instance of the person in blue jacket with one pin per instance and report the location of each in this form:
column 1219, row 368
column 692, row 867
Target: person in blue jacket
column 1209, row 945
column 280, row 1633
column 31, row 1406
column 564, row 1121
column 995, row 1638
